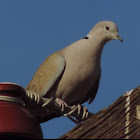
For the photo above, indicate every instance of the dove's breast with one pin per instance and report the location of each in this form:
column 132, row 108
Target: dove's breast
column 80, row 74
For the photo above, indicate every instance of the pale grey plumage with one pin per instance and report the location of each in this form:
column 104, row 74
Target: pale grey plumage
column 73, row 73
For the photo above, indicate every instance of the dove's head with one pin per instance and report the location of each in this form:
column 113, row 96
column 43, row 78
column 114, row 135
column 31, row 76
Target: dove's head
column 106, row 29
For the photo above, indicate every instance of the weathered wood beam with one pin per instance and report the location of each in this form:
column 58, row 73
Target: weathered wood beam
column 121, row 120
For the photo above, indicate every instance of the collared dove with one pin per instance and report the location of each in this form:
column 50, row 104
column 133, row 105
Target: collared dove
column 72, row 74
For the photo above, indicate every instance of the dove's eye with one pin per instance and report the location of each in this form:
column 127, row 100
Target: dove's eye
column 107, row 27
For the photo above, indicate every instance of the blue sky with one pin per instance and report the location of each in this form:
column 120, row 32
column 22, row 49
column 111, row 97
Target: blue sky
column 32, row 30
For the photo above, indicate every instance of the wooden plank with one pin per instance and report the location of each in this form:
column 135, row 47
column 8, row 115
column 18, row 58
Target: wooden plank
column 119, row 120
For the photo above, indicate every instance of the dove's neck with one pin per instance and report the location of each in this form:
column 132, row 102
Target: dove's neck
column 86, row 50
column 96, row 47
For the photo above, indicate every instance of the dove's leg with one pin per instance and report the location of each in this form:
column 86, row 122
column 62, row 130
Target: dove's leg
column 61, row 103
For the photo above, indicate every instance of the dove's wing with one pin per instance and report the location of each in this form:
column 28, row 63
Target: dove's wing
column 47, row 74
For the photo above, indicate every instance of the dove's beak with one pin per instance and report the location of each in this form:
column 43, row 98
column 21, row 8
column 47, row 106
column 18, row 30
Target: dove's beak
column 117, row 36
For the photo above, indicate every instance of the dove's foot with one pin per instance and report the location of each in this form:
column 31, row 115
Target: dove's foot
column 81, row 111
column 61, row 103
